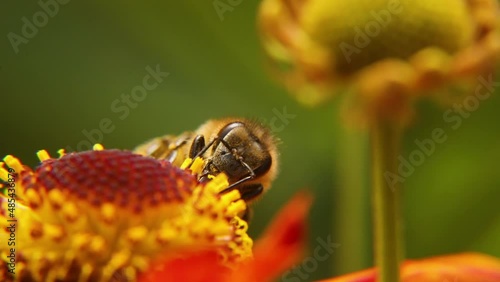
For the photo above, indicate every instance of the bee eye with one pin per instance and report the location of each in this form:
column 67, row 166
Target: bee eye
column 228, row 128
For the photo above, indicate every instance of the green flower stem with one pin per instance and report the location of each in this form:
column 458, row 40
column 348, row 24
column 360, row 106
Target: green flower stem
column 388, row 244
column 350, row 225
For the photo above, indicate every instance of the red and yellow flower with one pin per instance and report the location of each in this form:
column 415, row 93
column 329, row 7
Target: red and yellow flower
column 104, row 215
column 111, row 215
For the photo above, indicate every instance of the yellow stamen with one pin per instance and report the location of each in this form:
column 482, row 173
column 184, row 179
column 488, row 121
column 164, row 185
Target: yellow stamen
column 54, row 232
column 80, row 241
column 137, row 234
column 197, row 165
column 231, row 196
column 98, row 147
column 70, row 212
column 4, row 174
column 218, row 183
column 97, row 245
column 108, row 212
column 33, row 198
column 14, row 163
column 166, row 234
column 61, row 152
column 43, row 155
column 186, row 163
column 236, row 208
column 118, row 260
column 56, row 198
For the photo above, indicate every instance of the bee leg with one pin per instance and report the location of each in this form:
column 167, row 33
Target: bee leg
column 171, row 157
column 197, row 146
column 251, row 191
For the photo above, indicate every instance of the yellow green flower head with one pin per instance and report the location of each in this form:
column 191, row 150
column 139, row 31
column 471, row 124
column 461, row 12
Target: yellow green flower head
column 105, row 214
column 362, row 32
column 388, row 51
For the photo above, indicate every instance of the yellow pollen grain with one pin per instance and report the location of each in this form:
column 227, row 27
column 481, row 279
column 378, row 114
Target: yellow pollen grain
column 33, row 198
column 56, row 198
column 242, row 228
column 186, row 163
column 80, row 241
column 108, row 212
column 98, row 147
column 220, row 229
column 200, row 228
column 54, row 232
column 231, row 196
column 136, row 234
column 236, row 207
column 14, row 163
column 43, row 155
column 70, row 212
column 204, row 204
column 197, row 165
column 166, row 234
column 97, row 245
column 218, row 183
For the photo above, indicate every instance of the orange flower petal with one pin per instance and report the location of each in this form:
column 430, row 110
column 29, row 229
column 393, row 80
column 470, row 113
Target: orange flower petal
column 467, row 267
column 195, row 267
column 282, row 244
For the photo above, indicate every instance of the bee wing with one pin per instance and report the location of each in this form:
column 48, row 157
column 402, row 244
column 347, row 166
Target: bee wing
column 168, row 147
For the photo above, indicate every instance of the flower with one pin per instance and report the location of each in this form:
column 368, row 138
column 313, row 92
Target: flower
column 277, row 250
column 104, row 215
column 390, row 53
column 466, row 267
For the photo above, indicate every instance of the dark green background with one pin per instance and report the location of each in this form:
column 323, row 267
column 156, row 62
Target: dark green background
column 65, row 78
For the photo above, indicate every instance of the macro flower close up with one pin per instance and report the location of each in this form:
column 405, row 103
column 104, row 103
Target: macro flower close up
column 219, row 114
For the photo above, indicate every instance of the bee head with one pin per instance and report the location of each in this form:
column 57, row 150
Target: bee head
column 238, row 153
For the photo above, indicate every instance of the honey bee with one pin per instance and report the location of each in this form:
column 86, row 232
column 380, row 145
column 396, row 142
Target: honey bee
column 243, row 149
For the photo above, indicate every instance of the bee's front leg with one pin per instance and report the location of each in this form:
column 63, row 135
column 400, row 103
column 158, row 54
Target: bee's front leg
column 250, row 191
column 197, row 146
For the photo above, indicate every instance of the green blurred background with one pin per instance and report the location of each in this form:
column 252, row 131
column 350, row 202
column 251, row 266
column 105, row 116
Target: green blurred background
column 65, row 78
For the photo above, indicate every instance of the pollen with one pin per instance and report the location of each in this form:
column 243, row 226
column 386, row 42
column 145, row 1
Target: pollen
column 195, row 165
column 95, row 215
